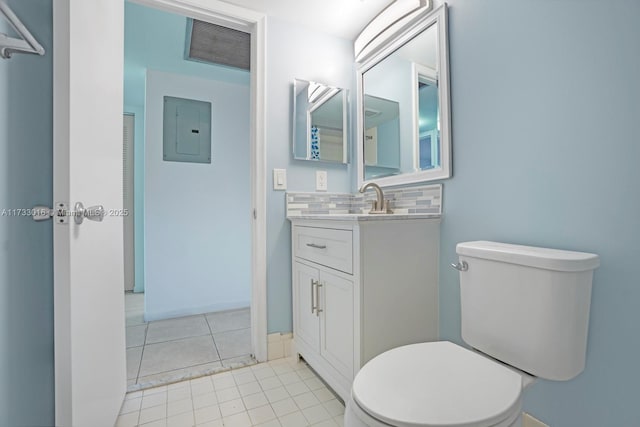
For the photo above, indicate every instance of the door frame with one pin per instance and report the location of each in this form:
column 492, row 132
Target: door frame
column 236, row 17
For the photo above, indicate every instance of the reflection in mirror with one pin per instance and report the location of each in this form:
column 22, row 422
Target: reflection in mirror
column 319, row 122
column 404, row 106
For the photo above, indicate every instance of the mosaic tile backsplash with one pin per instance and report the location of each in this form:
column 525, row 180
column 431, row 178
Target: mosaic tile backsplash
column 424, row 199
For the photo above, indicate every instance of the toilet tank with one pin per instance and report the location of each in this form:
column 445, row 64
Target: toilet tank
column 527, row 306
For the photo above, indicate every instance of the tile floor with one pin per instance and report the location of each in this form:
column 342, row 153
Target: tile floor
column 284, row 393
column 166, row 351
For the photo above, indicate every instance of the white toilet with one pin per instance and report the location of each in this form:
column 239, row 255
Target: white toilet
column 525, row 311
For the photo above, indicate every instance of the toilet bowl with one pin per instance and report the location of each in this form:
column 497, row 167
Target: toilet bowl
column 434, row 384
column 508, row 294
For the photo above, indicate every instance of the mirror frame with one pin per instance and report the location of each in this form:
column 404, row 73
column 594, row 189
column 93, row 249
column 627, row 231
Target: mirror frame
column 344, row 95
column 413, row 25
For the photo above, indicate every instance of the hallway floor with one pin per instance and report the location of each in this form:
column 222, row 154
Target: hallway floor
column 166, row 351
column 280, row 393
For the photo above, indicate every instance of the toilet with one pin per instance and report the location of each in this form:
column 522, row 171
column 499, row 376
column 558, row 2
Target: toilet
column 524, row 313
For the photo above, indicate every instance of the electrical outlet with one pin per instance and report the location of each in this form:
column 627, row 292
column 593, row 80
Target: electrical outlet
column 321, row 180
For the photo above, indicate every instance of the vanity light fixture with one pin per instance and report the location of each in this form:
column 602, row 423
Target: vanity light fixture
column 386, row 23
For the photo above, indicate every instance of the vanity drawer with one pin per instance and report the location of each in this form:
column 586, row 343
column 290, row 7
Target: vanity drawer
column 326, row 246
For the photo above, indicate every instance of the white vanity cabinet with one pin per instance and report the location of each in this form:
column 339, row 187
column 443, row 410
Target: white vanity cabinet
column 362, row 285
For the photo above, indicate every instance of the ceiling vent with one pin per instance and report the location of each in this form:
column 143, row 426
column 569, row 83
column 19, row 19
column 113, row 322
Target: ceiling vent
column 216, row 44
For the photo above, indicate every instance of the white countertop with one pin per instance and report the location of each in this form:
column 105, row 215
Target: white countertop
column 362, row 217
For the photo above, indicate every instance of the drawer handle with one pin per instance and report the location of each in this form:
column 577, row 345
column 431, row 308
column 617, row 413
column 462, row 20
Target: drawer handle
column 313, row 304
column 314, row 245
column 318, row 309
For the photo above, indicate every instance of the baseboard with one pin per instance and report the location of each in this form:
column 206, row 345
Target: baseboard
column 529, row 421
column 279, row 345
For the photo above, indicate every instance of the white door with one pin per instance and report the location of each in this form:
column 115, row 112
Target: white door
column 90, row 366
column 336, row 322
column 307, row 326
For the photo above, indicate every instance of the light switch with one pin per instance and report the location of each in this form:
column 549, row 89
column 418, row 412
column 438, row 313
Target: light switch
column 279, row 179
column 321, row 180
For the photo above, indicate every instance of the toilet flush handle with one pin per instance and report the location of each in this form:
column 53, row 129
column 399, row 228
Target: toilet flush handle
column 461, row 266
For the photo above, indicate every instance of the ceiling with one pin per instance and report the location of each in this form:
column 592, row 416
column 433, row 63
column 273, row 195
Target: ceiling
column 342, row 18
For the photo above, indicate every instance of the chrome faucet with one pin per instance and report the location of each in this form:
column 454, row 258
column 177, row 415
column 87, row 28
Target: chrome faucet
column 380, row 205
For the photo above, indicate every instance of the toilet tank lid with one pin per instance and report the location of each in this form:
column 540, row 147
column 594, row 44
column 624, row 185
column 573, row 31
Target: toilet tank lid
column 549, row 259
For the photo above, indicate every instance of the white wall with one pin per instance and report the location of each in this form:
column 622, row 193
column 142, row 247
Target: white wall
column 197, row 216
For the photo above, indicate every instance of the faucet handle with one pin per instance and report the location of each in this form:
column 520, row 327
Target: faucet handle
column 374, row 205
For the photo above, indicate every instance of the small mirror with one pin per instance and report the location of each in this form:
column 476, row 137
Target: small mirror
column 403, row 111
column 320, row 130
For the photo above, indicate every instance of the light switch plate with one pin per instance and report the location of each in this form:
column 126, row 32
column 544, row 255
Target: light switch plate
column 321, row 180
column 279, row 179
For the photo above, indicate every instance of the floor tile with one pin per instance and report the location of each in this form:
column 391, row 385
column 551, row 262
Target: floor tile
column 135, row 335
column 134, row 319
column 272, row 423
column 334, row 407
column 249, row 388
column 289, row 378
column 208, row 413
column 178, row 328
column 233, row 343
column 227, row 394
column 238, row 420
column 153, row 413
column 203, row 387
column 315, row 414
column 323, row 394
column 128, row 420
column 339, row 421
column 204, row 400
column 284, row 407
column 154, row 400
column 275, row 394
column 269, row 383
column 313, row 383
column 134, row 355
column 157, row 423
column 243, row 376
column 172, row 355
column 229, row 320
column 262, row 371
column 255, row 400
column 131, row 405
column 177, row 394
column 231, row 407
column 326, row 423
column 185, row 419
column 295, row 419
column 221, row 382
column 297, row 388
column 261, row 414
column 179, row 406
column 306, row 400
column 214, row 423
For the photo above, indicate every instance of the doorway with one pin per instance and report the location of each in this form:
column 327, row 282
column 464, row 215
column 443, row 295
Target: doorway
column 189, row 313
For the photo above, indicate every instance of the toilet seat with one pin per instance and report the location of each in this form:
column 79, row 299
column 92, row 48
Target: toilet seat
column 437, row 384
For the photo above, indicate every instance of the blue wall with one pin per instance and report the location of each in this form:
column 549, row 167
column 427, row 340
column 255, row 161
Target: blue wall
column 296, row 52
column 546, row 102
column 26, row 247
column 155, row 39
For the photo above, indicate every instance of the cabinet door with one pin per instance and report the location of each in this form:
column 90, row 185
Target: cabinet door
column 307, row 325
column 336, row 322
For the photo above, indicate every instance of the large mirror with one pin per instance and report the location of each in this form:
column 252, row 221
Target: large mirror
column 320, row 129
column 404, row 131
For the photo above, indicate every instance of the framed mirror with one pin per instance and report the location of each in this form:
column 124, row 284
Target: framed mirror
column 404, row 130
column 320, row 126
